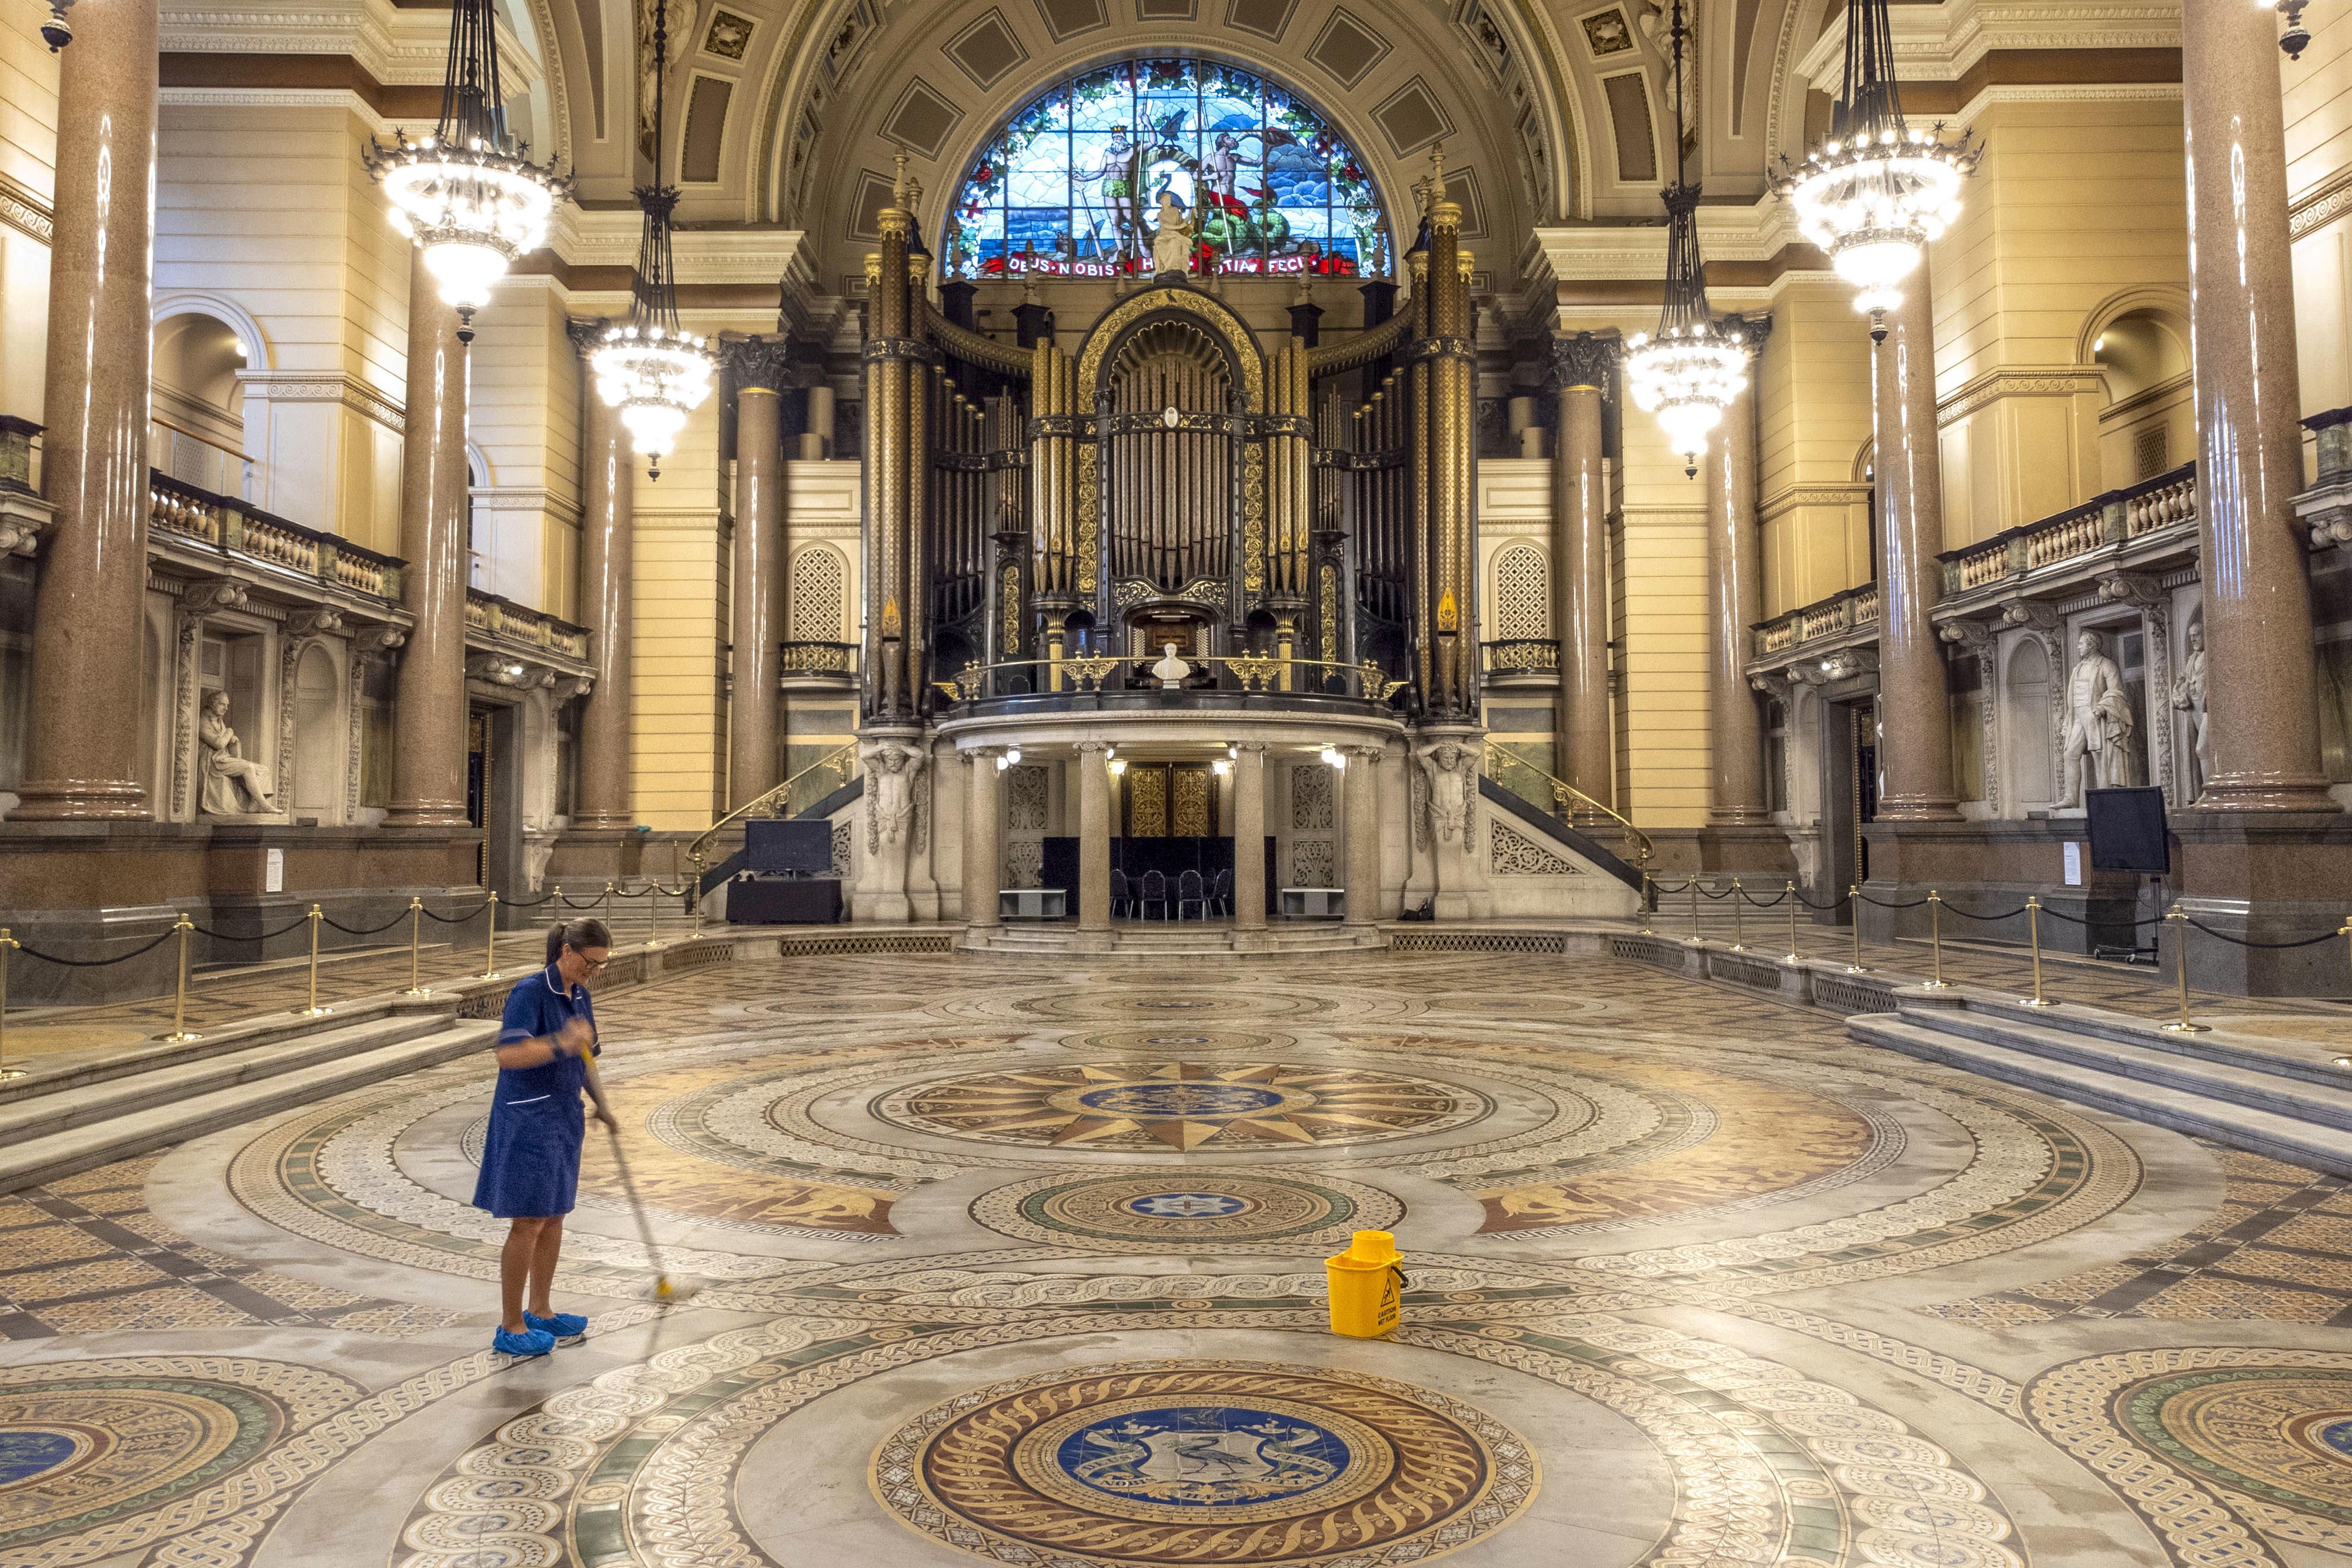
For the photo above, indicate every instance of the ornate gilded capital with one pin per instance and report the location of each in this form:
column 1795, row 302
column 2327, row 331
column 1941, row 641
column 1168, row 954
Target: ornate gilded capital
column 1585, row 359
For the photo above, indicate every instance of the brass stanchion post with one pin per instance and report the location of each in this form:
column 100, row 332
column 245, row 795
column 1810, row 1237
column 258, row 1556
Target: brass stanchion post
column 1792, row 894
column 1645, row 902
column 180, row 996
column 415, row 949
column 1936, row 942
column 314, row 1009
column 2180, row 920
column 490, row 942
column 7, row 944
column 1738, row 918
column 694, row 892
column 2033, row 935
column 1692, row 887
column 608, row 903
column 654, row 895
column 1854, row 898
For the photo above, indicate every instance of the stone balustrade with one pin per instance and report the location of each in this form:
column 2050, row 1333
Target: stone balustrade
column 1851, row 609
column 2118, row 517
column 503, row 621
column 184, row 520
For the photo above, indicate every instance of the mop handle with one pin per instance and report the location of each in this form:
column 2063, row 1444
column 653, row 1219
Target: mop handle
column 621, row 1164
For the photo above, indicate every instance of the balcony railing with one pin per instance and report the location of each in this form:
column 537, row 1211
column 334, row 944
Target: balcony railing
column 1852, row 609
column 820, row 660
column 2118, row 518
column 1231, row 675
column 503, row 620
column 235, row 529
column 1522, row 657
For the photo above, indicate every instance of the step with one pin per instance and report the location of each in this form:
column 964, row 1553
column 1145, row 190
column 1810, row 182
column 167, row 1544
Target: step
column 266, row 1030
column 2219, row 1077
column 153, row 1124
column 2305, row 1060
column 2266, row 1133
column 75, row 1103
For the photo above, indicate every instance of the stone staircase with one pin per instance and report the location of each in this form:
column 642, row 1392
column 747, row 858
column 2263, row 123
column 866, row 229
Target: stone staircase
column 1061, row 940
column 2284, row 1099
column 55, row 1124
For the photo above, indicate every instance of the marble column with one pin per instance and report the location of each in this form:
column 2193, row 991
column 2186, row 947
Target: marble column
column 1362, row 783
column 1585, row 752
column 984, row 837
column 1249, row 837
column 1735, row 601
column 607, row 558
column 429, row 720
column 1914, row 704
column 2261, row 719
column 758, row 628
column 1094, row 835
column 81, row 750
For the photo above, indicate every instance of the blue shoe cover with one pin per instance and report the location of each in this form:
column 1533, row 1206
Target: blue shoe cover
column 562, row 1325
column 530, row 1342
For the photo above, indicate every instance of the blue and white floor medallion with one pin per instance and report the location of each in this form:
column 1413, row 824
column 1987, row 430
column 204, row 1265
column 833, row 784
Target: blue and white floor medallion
column 1204, row 1462
column 1211, row 1211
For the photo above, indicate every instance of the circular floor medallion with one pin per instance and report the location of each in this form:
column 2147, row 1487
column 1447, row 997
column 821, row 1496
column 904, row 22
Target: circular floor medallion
column 1181, row 1105
column 1204, row 1462
column 2283, row 1434
column 1198, row 1211
column 74, row 1454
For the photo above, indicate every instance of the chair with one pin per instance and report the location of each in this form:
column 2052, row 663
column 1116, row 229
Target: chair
column 1122, row 897
column 1191, row 890
column 1155, row 890
column 1220, row 893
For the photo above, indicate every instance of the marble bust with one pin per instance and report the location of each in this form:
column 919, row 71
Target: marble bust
column 232, row 785
column 1171, row 669
column 2098, row 723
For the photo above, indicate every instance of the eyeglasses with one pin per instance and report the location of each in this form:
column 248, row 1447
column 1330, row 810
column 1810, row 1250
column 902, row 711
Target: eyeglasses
column 593, row 964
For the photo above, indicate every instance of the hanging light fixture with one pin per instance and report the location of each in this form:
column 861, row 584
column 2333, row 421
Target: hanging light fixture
column 1690, row 369
column 468, row 195
column 648, row 367
column 1876, row 191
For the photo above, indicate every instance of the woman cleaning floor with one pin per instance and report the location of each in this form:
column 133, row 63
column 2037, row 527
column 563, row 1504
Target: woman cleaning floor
column 530, row 1161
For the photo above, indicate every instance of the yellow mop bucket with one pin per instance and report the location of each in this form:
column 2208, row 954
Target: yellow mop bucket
column 1367, row 1281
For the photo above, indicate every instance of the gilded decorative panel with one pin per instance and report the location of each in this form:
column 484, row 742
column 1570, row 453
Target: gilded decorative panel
column 1191, row 803
column 1146, row 803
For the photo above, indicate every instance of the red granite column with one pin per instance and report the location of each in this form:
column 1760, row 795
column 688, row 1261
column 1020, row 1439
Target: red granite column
column 757, row 631
column 2261, row 716
column 82, row 756
column 429, row 720
column 1914, row 704
column 1735, row 601
column 1585, row 751
column 607, row 556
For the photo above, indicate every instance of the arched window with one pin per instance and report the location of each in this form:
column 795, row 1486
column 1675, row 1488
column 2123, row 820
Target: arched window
column 1072, row 183
column 817, row 580
column 1522, row 595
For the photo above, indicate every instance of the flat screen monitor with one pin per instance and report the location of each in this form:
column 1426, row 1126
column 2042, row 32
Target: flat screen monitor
column 2127, row 831
column 790, row 845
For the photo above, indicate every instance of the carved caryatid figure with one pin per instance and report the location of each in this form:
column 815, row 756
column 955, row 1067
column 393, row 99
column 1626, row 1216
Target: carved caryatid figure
column 2098, row 723
column 890, row 770
column 1171, row 242
column 231, row 785
column 1452, row 774
column 2188, row 696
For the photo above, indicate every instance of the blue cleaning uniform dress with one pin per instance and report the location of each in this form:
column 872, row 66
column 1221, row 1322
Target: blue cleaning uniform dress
column 530, row 1161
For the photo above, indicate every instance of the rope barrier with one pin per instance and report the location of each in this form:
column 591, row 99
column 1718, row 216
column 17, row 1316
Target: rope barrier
column 527, row 903
column 1820, row 908
column 570, row 903
column 1771, row 903
column 371, row 930
column 2274, row 947
column 1985, row 919
column 1881, row 903
column 239, row 937
column 31, row 952
column 2134, row 925
column 454, row 919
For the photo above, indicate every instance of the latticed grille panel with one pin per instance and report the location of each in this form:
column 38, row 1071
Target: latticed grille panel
column 818, row 580
column 1477, row 942
column 1522, row 594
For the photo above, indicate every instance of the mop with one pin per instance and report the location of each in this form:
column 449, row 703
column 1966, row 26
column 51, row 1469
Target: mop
column 666, row 1291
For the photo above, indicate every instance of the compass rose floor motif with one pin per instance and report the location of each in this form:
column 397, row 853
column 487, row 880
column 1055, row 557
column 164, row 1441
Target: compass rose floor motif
column 1024, row 1265
column 1182, row 1105
column 1204, row 1462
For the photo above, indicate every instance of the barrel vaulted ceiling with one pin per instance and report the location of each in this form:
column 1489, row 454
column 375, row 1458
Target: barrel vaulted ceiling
column 790, row 112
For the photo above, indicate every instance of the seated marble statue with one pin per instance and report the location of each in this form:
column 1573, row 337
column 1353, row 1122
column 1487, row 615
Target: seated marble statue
column 1171, row 242
column 233, row 787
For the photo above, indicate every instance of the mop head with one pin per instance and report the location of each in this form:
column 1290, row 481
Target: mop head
column 669, row 1293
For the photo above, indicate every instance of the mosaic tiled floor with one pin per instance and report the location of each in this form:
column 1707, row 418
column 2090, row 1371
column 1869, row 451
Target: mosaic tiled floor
column 1017, row 1262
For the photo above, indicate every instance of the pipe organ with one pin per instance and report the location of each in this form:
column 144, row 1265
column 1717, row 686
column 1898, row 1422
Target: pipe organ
column 1173, row 477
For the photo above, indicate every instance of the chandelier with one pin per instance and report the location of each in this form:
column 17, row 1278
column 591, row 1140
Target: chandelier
column 648, row 367
column 1689, row 371
column 467, row 194
column 1876, row 191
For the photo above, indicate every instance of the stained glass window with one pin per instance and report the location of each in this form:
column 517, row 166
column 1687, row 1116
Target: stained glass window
column 1079, row 178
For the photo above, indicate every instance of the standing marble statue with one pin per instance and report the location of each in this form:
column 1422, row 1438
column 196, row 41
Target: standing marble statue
column 2188, row 696
column 2098, row 723
column 232, row 785
column 1453, row 775
column 1171, row 242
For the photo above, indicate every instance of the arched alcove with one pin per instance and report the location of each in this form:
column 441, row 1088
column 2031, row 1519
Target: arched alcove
column 1522, row 595
column 196, row 421
column 2025, row 719
column 2139, row 341
column 321, row 738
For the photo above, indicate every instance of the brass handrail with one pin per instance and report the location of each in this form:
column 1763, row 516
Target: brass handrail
column 781, row 792
column 1087, row 671
column 1563, row 792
